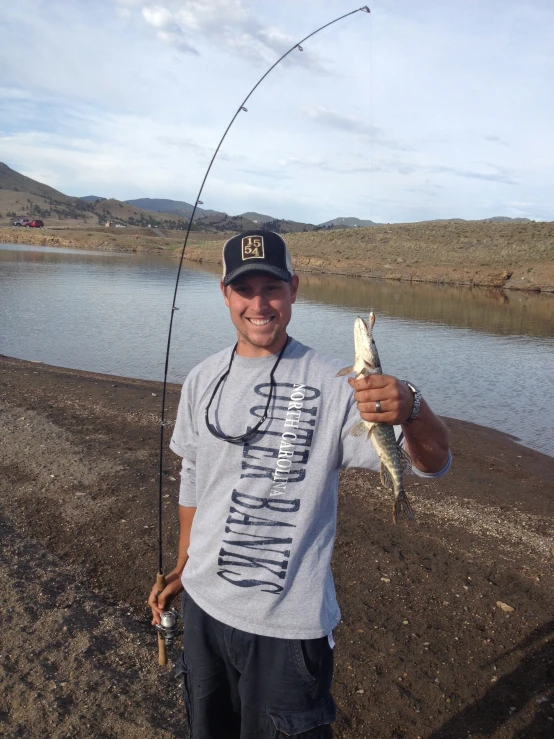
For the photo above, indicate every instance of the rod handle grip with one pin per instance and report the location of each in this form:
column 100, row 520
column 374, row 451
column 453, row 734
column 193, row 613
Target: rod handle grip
column 162, row 653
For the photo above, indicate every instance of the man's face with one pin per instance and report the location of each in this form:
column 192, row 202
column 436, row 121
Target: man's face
column 260, row 306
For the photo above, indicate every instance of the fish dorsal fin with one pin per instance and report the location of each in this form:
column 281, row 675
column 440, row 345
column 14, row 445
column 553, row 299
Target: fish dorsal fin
column 405, row 461
column 362, row 428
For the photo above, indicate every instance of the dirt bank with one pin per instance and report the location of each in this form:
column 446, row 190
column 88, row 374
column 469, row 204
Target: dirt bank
column 135, row 240
column 423, row 650
column 515, row 256
column 512, row 256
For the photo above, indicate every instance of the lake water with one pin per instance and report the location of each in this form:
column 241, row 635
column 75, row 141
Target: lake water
column 480, row 355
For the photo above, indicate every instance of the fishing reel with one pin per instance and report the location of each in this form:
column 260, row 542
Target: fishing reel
column 167, row 629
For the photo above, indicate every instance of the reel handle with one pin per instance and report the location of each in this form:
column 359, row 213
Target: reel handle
column 162, row 653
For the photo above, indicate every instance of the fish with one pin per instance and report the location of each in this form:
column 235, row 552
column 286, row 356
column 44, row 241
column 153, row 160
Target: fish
column 395, row 461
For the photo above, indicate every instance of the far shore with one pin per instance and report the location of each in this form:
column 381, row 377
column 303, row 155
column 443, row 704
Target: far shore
column 511, row 256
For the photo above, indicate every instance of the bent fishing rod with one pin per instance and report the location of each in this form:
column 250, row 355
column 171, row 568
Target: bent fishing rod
column 167, row 629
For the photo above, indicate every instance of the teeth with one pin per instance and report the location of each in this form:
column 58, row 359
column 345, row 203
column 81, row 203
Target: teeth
column 260, row 322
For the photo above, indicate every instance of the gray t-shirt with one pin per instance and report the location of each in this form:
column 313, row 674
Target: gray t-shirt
column 264, row 528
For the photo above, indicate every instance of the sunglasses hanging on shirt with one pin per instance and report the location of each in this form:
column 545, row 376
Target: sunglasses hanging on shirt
column 243, row 438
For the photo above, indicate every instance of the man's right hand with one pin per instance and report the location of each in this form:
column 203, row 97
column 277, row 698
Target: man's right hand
column 160, row 601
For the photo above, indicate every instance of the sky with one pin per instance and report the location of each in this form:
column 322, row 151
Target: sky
column 416, row 111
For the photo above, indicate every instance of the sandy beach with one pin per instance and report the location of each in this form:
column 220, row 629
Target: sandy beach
column 447, row 630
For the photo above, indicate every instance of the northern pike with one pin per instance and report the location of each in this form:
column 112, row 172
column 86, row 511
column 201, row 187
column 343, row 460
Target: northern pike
column 395, row 461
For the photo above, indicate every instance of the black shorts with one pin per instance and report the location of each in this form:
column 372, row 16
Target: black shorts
column 244, row 686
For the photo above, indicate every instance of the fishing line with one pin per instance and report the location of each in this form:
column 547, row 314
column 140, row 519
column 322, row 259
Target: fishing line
column 198, row 202
column 371, row 127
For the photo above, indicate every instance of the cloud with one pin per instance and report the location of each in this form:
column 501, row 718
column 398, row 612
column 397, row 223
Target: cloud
column 349, row 164
column 109, row 155
column 397, row 118
column 302, row 161
column 272, row 174
column 427, row 188
column 168, row 30
column 361, row 163
column 229, row 25
column 498, row 174
column 353, row 124
column 174, row 38
column 179, row 142
column 342, row 122
column 495, row 139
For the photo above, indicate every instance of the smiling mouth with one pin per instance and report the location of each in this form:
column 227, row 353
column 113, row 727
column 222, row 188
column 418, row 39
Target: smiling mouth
column 260, row 321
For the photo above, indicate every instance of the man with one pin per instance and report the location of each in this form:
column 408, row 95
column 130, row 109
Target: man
column 263, row 431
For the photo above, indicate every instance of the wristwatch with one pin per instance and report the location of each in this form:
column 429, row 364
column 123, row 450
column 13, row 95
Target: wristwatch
column 417, row 401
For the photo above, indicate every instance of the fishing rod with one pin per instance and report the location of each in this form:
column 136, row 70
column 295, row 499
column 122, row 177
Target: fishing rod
column 167, row 630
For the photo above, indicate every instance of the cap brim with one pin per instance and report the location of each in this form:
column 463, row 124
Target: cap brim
column 282, row 274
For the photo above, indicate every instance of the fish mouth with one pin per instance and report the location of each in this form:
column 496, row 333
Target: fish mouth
column 368, row 325
column 364, row 324
column 363, row 343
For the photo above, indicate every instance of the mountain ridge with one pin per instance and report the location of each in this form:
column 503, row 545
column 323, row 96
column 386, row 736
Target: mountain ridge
column 162, row 213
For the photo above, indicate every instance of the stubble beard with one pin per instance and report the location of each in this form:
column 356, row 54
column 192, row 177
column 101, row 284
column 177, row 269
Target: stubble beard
column 261, row 342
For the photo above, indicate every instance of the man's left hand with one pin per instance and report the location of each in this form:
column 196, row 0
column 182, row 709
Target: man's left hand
column 394, row 396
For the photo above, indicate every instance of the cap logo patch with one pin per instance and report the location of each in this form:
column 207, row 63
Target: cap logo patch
column 253, row 247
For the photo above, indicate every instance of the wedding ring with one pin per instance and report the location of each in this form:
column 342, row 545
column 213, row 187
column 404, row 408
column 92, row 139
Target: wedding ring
column 378, row 406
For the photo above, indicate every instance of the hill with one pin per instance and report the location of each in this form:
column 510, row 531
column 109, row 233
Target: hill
column 91, row 198
column 164, row 205
column 257, row 217
column 15, row 182
column 279, row 225
column 494, row 219
column 347, row 223
column 505, row 219
column 23, row 197
column 120, row 212
column 287, row 227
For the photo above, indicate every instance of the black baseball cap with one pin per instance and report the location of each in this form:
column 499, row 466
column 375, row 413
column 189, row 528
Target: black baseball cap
column 256, row 251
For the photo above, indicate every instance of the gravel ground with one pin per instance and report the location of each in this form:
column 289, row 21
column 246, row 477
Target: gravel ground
column 424, row 649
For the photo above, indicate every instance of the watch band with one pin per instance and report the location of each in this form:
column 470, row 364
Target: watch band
column 417, row 401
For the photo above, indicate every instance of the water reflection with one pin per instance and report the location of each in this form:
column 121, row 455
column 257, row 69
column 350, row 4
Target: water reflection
column 482, row 309
column 468, row 349
column 52, row 254
column 496, row 311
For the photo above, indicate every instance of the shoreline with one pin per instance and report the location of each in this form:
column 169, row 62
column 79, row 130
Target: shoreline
column 173, row 387
column 515, row 257
column 423, row 648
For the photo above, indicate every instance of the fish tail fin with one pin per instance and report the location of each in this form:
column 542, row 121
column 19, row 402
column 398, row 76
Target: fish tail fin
column 402, row 507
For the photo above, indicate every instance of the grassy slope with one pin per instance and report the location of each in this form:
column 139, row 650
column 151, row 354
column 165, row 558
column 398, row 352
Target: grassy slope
column 118, row 209
column 15, row 181
column 515, row 255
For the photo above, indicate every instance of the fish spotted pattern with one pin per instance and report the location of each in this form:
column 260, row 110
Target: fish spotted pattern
column 395, row 461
